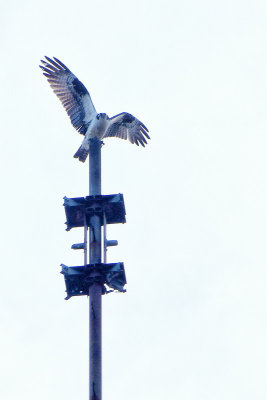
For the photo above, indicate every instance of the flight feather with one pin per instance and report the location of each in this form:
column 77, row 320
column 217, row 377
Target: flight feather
column 71, row 92
column 126, row 126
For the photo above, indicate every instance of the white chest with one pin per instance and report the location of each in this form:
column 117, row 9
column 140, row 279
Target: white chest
column 97, row 128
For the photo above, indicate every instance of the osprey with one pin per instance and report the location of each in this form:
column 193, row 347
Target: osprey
column 77, row 102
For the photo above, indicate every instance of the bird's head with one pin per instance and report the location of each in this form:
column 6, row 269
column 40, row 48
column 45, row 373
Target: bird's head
column 102, row 116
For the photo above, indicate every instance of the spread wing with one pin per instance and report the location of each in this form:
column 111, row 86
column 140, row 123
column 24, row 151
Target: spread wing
column 71, row 92
column 126, row 126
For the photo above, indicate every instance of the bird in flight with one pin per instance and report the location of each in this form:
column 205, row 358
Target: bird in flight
column 77, row 102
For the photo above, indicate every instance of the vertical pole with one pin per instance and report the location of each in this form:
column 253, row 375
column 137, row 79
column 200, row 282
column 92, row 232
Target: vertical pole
column 105, row 237
column 85, row 242
column 95, row 290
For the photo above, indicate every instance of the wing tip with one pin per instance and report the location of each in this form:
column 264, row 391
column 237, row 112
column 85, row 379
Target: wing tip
column 55, row 62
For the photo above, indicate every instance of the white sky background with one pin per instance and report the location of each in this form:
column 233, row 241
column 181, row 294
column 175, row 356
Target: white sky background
column 192, row 324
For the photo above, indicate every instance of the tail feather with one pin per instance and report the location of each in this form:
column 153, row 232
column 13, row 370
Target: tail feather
column 81, row 153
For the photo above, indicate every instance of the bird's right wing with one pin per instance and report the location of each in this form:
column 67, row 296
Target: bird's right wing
column 126, row 126
column 71, row 92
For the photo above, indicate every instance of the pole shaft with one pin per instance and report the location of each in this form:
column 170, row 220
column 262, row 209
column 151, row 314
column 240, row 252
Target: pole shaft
column 85, row 242
column 95, row 290
column 95, row 167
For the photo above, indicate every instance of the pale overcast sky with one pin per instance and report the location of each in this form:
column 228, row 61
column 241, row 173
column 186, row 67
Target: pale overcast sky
column 192, row 325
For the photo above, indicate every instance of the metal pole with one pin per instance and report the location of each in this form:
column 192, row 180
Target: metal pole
column 105, row 237
column 85, row 241
column 95, row 290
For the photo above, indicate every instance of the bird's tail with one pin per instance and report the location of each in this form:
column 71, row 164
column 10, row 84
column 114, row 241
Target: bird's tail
column 81, row 153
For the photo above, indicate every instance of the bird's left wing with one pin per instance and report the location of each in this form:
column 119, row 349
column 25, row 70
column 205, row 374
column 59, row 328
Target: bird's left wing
column 126, row 126
column 71, row 92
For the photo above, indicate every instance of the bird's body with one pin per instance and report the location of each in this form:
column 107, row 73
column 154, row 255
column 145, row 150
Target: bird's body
column 97, row 128
column 78, row 104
